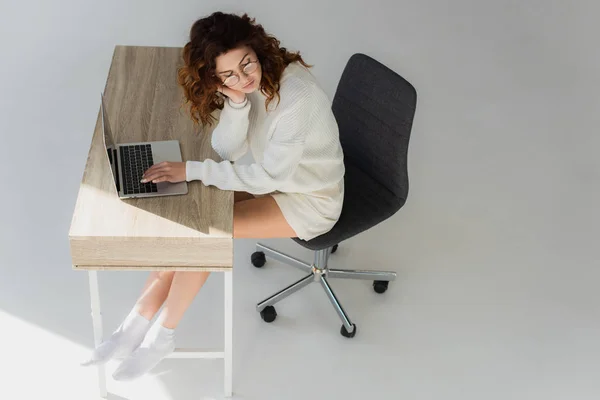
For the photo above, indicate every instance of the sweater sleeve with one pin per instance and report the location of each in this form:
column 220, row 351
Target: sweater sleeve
column 281, row 157
column 230, row 136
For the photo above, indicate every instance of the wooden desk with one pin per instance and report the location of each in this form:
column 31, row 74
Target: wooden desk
column 189, row 232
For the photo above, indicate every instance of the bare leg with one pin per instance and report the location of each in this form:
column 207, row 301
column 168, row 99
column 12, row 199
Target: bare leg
column 184, row 287
column 260, row 218
column 154, row 293
column 253, row 217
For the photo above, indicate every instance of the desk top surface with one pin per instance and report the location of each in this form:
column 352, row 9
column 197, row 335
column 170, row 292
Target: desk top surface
column 145, row 103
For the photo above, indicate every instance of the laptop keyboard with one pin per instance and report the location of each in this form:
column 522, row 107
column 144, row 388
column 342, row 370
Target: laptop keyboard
column 136, row 160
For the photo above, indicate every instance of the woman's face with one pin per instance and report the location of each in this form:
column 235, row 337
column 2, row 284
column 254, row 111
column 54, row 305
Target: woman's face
column 239, row 69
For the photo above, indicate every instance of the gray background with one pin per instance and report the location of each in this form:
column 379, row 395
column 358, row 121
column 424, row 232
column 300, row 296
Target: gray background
column 497, row 291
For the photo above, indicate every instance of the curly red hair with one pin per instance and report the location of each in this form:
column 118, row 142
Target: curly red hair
column 215, row 35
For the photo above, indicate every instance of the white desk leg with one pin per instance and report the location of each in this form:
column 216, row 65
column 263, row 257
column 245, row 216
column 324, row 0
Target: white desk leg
column 97, row 322
column 228, row 333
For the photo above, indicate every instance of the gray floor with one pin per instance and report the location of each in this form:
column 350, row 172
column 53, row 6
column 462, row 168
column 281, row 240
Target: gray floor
column 495, row 250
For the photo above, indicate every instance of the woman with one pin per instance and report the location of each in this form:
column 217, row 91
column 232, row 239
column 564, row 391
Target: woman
column 271, row 105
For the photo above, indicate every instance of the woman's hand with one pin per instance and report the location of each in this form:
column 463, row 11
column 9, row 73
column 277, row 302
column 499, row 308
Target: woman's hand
column 235, row 95
column 165, row 171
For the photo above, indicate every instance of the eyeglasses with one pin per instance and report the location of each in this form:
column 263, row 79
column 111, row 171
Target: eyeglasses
column 247, row 69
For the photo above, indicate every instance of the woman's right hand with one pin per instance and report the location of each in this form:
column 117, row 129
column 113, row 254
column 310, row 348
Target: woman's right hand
column 235, row 95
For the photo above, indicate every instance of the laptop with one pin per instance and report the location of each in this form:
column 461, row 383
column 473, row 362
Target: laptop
column 129, row 161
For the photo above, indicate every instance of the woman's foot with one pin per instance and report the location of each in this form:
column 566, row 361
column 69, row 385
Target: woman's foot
column 158, row 343
column 124, row 340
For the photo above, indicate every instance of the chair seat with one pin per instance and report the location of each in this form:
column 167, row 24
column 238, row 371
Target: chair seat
column 366, row 203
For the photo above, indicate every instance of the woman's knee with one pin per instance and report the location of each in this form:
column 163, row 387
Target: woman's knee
column 164, row 275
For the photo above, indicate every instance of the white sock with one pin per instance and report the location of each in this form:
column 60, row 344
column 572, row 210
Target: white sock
column 158, row 343
column 123, row 340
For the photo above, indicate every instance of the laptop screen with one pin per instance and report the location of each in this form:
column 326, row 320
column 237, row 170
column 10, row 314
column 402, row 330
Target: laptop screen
column 109, row 144
column 108, row 140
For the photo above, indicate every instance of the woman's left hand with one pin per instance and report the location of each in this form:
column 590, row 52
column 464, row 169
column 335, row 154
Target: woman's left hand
column 165, row 171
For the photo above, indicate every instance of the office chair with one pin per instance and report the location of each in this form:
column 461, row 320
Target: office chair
column 374, row 108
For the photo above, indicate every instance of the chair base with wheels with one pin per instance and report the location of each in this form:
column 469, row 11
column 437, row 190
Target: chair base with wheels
column 319, row 271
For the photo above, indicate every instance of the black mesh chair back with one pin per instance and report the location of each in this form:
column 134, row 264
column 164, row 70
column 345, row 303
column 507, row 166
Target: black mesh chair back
column 374, row 108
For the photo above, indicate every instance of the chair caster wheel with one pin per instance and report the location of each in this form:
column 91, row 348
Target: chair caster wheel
column 258, row 259
column 380, row 286
column 268, row 314
column 345, row 333
column 334, row 248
